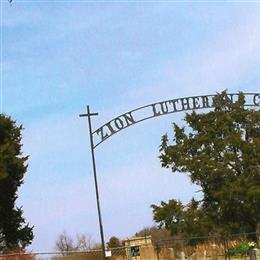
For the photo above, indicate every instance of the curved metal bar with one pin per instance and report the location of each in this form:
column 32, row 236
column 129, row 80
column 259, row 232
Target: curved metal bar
column 164, row 108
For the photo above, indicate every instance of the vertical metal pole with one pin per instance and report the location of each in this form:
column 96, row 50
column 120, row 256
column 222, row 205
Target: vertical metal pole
column 96, row 182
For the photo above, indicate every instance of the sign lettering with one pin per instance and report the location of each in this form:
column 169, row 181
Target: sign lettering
column 162, row 108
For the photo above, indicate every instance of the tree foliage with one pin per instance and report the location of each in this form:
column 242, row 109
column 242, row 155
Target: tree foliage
column 156, row 233
column 220, row 151
column 114, row 242
column 14, row 231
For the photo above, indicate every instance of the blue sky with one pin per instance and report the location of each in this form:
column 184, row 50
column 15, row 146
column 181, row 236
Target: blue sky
column 59, row 56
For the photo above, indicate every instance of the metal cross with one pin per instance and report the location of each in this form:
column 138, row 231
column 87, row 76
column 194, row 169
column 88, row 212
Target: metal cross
column 89, row 115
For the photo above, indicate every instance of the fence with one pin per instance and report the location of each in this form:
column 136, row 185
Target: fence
column 238, row 246
column 235, row 246
column 113, row 254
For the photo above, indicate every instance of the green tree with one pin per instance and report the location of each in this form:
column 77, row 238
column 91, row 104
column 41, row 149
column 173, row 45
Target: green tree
column 14, row 231
column 220, row 151
column 114, row 242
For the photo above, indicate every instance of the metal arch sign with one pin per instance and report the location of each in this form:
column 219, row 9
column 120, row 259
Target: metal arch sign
column 163, row 108
column 146, row 112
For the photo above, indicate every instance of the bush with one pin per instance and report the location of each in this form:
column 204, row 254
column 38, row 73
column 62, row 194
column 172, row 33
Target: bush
column 243, row 248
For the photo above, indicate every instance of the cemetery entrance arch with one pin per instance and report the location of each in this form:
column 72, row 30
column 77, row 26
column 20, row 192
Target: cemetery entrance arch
column 150, row 111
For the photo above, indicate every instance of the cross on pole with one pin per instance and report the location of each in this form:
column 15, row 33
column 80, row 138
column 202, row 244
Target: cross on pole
column 89, row 115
